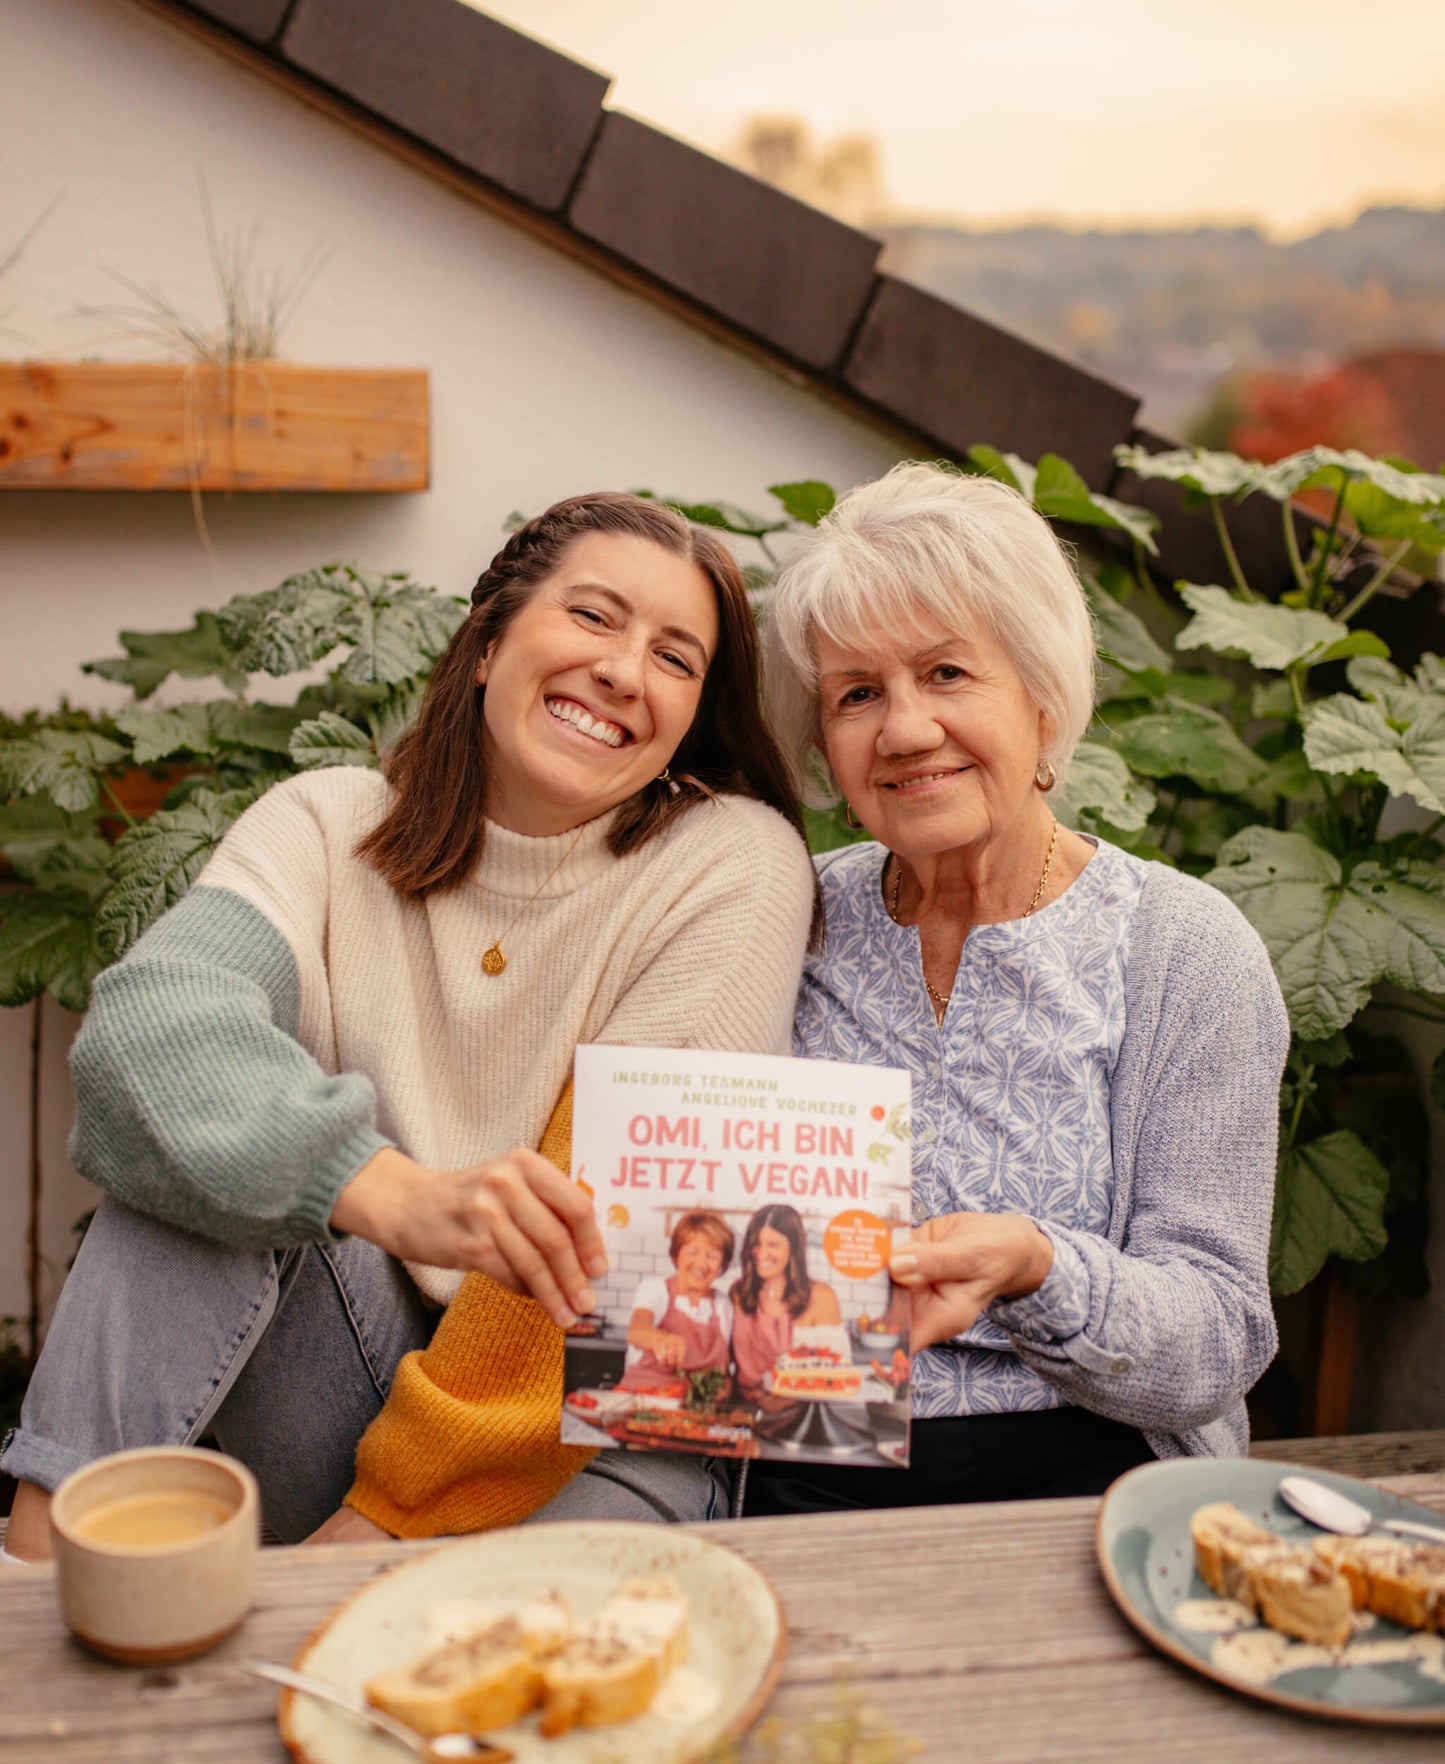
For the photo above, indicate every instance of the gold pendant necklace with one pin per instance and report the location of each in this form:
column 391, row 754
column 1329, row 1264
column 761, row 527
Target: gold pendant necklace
column 493, row 961
column 940, row 999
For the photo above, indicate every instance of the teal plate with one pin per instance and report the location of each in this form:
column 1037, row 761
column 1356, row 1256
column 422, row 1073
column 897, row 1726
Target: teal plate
column 1147, row 1559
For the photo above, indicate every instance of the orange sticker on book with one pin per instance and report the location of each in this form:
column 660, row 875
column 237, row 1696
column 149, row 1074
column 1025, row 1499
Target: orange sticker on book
column 857, row 1244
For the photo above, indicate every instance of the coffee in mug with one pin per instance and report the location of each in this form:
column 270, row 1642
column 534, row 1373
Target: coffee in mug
column 154, row 1550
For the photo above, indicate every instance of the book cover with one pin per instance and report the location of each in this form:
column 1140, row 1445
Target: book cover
column 750, row 1204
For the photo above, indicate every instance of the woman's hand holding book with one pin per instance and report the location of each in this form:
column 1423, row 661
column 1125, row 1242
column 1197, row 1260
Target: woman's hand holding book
column 515, row 1218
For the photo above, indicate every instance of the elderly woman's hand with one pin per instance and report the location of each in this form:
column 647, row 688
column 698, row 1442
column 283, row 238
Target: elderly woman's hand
column 957, row 1265
column 516, row 1218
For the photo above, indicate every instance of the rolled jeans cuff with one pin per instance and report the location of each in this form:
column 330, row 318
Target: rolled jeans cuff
column 30, row 1458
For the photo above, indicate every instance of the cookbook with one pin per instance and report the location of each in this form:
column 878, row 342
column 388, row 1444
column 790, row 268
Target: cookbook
column 750, row 1204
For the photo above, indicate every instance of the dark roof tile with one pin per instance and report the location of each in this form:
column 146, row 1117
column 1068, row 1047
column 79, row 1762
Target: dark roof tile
column 789, row 274
column 963, row 381
column 497, row 102
column 256, row 19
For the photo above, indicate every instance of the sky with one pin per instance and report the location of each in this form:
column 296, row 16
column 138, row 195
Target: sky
column 1288, row 113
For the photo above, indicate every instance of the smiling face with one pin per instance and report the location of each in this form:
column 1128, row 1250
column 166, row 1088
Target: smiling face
column 699, row 1262
column 771, row 1254
column 932, row 739
column 594, row 682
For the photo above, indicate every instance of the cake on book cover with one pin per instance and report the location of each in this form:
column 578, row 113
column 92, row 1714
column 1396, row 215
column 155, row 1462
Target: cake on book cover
column 750, row 1205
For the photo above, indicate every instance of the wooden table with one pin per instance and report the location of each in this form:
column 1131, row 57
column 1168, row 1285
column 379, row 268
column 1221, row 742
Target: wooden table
column 985, row 1632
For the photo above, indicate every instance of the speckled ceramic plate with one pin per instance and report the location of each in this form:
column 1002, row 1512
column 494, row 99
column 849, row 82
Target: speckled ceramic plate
column 736, row 1628
column 1147, row 1559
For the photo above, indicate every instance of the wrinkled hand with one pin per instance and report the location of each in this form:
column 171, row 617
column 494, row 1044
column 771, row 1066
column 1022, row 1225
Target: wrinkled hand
column 516, row 1218
column 954, row 1267
column 669, row 1350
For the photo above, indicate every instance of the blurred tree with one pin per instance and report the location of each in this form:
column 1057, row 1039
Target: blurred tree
column 843, row 176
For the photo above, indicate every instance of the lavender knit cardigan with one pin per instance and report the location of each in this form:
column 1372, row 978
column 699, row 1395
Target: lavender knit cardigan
column 1179, row 1317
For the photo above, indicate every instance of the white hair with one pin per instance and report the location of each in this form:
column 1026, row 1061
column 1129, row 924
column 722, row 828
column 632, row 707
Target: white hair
column 925, row 545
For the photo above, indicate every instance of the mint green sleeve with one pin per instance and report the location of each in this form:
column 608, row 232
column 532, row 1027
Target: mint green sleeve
column 194, row 1100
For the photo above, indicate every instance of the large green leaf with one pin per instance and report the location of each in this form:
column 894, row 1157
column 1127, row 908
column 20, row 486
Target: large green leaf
column 1062, row 495
column 1272, row 637
column 1378, row 515
column 1327, row 468
column 1008, row 468
column 1190, row 743
column 207, row 729
column 63, row 762
column 808, row 501
column 157, row 734
column 155, row 863
column 47, row 944
column 289, row 627
column 1290, row 775
column 1333, row 938
column 390, row 717
column 725, row 515
column 1204, row 473
column 331, row 740
column 1124, row 639
column 1329, row 1200
column 1345, row 734
column 152, row 656
column 396, row 629
column 1357, row 643
column 256, row 728
column 57, row 851
column 1099, row 785
column 1400, row 696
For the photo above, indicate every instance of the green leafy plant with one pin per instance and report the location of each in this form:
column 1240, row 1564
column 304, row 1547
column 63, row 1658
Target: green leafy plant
column 1226, row 742
column 1222, row 745
column 92, row 874
column 704, row 1387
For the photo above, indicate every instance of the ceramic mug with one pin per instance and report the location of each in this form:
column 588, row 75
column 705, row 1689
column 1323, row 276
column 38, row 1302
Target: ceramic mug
column 155, row 1551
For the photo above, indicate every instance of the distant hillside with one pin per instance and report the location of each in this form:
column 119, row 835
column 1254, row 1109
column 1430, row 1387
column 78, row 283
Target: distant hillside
column 1173, row 314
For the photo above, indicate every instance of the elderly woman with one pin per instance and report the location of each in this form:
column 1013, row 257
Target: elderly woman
column 1095, row 1041
column 682, row 1324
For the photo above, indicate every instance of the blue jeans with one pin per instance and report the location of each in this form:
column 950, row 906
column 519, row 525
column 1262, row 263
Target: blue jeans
column 283, row 1356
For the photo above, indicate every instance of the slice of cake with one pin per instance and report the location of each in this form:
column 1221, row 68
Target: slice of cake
column 611, row 1669
column 1392, row 1577
column 1294, row 1590
column 818, row 1364
column 481, row 1681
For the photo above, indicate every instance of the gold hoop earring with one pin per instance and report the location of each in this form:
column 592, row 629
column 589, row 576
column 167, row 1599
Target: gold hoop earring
column 1045, row 776
column 850, row 817
column 663, row 776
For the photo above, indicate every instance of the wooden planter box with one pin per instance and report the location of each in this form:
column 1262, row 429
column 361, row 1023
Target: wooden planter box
column 257, row 425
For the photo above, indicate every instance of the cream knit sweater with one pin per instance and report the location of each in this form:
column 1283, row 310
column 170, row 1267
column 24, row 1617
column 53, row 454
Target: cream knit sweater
column 209, row 1070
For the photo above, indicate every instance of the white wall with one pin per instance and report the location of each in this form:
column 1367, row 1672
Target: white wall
column 545, row 378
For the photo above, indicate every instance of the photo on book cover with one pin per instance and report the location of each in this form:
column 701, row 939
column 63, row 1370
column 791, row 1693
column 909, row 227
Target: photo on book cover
column 750, row 1204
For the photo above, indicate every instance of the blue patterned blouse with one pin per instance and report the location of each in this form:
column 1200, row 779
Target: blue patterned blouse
column 1010, row 1096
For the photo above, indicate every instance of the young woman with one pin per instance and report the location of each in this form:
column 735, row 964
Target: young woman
column 774, row 1294
column 312, row 1088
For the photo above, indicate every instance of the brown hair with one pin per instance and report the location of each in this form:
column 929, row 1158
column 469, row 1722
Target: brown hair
column 797, row 1285
column 712, row 1226
column 424, row 844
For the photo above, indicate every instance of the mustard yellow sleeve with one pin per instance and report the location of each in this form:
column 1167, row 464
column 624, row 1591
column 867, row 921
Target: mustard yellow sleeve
column 469, row 1440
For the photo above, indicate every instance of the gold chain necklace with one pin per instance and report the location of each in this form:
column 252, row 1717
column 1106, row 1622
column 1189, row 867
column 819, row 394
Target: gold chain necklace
column 493, row 961
column 940, row 999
